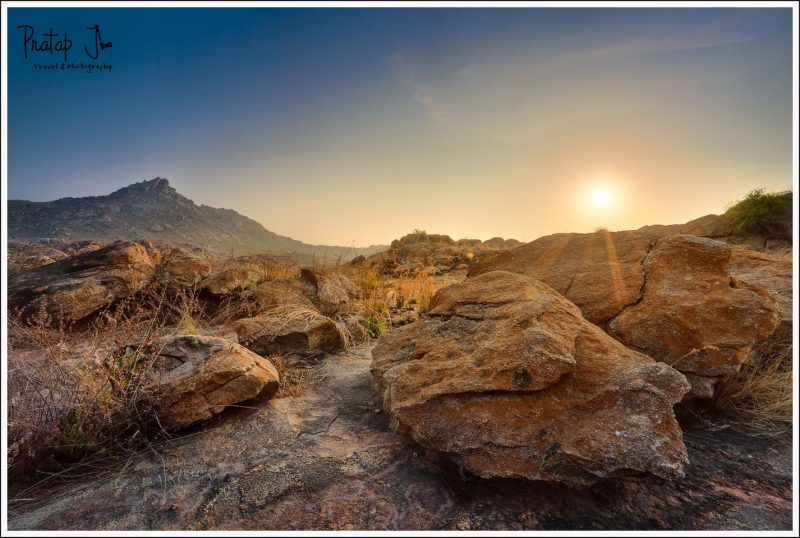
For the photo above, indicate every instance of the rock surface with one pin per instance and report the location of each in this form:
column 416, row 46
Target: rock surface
column 199, row 376
column 601, row 272
column 76, row 287
column 327, row 461
column 227, row 282
column 288, row 291
column 420, row 251
column 182, row 269
column 774, row 235
column 27, row 254
column 692, row 314
column 297, row 335
column 670, row 297
column 774, row 274
column 331, row 289
column 507, row 379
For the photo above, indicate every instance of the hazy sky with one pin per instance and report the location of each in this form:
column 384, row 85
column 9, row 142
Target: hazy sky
column 355, row 126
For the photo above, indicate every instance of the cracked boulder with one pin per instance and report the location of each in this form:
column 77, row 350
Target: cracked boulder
column 693, row 315
column 507, row 379
column 196, row 377
column 76, row 287
column 672, row 298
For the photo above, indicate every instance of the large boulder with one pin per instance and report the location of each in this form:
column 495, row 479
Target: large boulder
column 495, row 243
column 411, row 253
column 421, row 237
column 182, row 269
column 507, row 379
column 282, row 292
column 74, row 288
column 296, row 332
column 772, row 232
column 331, row 288
column 692, row 314
column 196, row 377
column 712, row 226
column 601, row 272
column 227, row 282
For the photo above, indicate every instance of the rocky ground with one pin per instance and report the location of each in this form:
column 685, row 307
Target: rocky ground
column 567, row 383
column 328, row 460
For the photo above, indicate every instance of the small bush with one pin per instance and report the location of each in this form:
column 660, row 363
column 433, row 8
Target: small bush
column 374, row 325
column 763, row 213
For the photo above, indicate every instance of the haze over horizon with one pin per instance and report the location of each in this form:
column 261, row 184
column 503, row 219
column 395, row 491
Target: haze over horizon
column 356, row 126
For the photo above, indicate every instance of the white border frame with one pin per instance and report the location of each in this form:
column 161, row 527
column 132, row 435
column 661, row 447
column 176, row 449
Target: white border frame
column 377, row 4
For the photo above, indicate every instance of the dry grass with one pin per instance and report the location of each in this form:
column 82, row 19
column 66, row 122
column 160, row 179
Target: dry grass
column 372, row 308
column 759, row 397
column 382, row 296
column 261, row 268
column 76, row 399
column 414, row 290
column 294, row 381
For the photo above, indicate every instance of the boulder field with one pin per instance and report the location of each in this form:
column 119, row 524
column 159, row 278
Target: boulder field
column 536, row 394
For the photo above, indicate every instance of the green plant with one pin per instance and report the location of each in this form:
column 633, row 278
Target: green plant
column 374, row 325
column 765, row 213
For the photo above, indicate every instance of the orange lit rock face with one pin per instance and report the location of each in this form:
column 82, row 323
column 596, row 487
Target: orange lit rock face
column 671, row 298
column 774, row 274
column 692, row 314
column 508, row 380
column 600, row 272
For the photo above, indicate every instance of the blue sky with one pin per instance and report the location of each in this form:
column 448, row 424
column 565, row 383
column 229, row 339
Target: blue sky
column 357, row 125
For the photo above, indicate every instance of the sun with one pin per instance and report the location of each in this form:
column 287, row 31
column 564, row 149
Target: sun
column 601, row 197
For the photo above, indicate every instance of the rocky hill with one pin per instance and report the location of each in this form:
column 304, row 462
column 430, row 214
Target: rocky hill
column 154, row 210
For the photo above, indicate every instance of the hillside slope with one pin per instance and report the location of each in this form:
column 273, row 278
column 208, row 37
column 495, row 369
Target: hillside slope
column 154, row 210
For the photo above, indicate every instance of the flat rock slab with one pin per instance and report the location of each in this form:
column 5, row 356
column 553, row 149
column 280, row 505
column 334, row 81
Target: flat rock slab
column 327, row 460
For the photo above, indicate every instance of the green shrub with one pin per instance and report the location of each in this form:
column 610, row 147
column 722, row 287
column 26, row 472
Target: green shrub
column 763, row 213
column 374, row 325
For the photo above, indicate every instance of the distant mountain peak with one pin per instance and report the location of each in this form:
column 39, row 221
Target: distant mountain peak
column 158, row 185
column 155, row 211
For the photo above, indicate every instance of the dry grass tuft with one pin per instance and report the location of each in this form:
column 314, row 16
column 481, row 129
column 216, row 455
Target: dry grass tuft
column 415, row 289
column 295, row 381
column 759, row 397
column 77, row 399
